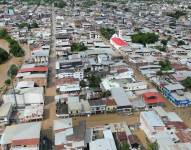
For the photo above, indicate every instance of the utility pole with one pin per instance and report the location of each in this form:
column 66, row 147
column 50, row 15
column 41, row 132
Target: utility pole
column 14, row 94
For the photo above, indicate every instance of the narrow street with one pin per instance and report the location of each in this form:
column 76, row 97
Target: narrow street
column 50, row 92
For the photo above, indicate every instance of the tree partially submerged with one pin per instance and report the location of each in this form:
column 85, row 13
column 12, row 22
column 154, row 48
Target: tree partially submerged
column 3, row 55
column 12, row 72
column 14, row 46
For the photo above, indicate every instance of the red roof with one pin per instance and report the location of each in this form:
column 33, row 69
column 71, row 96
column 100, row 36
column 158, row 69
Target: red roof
column 119, row 41
column 153, row 97
column 35, row 69
column 26, row 142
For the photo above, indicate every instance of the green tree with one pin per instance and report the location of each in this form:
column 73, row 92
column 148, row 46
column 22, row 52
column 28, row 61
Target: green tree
column 16, row 50
column 23, row 24
column 94, row 81
column 124, row 146
column 187, row 82
column 161, row 48
column 106, row 93
column 144, row 38
column 153, row 146
column 165, row 65
column 3, row 33
column 12, row 72
column 107, row 32
column 164, row 42
column 177, row 14
column 60, row 4
column 3, row 55
column 8, row 82
column 89, row 3
column 159, row 73
column 181, row 42
column 82, row 83
column 78, row 47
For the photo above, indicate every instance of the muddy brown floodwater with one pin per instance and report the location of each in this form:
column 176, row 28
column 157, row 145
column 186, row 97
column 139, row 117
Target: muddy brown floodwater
column 5, row 66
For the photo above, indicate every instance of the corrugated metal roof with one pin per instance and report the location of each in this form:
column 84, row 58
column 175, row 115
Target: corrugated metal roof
column 121, row 98
column 35, row 69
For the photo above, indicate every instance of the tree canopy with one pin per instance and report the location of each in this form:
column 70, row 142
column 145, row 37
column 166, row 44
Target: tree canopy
column 94, row 81
column 12, row 72
column 165, row 65
column 14, row 46
column 89, row 3
column 124, row 146
column 144, row 38
column 78, row 47
column 164, row 42
column 177, row 14
column 3, row 33
column 82, row 83
column 16, row 50
column 181, row 42
column 187, row 82
column 153, row 146
column 28, row 25
column 8, row 82
column 60, row 4
column 107, row 32
column 3, row 55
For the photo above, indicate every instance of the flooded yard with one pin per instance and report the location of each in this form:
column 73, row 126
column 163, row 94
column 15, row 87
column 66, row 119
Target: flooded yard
column 13, row 60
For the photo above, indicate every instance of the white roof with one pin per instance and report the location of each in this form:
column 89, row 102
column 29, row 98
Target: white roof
column 121, row 98
column 160, row 111
column 60, row 137
column 62, row 123
column 172, row 116
column 4, row 109
column 21, row 131
column 39, row 90
column 25, row 84
column 152, row 118
column 69, row 87
column 74, row 103
column 101, row 144
column 108, row 135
